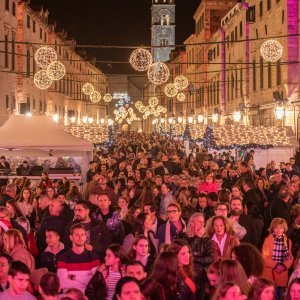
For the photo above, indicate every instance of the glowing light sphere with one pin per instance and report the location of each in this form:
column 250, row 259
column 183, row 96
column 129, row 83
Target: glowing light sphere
column 87, row 88
column 181, row 82
column 141, row 59
column 158, row 73
column 42, row 79
column 107, row 97
column 156, row 113
column 171, row 90
column 181, row 97
column 271, row 50
column 95, row 97
column 164, row 110
column 159, row 108
column 143, row 109
column 45, row 56
column 56, row 70
column 153, row 101
column 138, row 104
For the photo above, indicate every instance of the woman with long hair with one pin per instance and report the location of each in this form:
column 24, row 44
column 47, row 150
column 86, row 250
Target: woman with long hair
column 228, row 291
column 15, row 246
column 185, row 262
column 73, row 195
column 50, row 192
column 103, row 283
column 123, row 206
column 184, row 199
column 25, row 202
column 14, row 209
column 293, row 292
column 152, row 290
column 140, row 251
column 222, row 236
column 166, row 273
column 262, row 289
column 250, row 258
column 232, row 270
column 146, row 196
column 262, row 190
column 130, row 218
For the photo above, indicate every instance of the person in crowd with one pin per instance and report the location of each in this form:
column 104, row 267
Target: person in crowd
column 123, row 206
column 250, row 193
column 213, row 276
column 251, row 260
column 208, row 185
column 166, row 273
column 18, row 279
column 173, row 227
column 128, row 288
column 293, row 291
column 262, row 191
column 77, row 265
column 49, row 286
column 203, row 207
column 277, row 255
column 15, row 246
column 276, row 185
column 294, row 229
column 55, row 248
column 152, row 290
column 103, row 284
column 73, row 195
column 228, row 291
column 280, row 206
column 262, row 289
column 5, row 261
column 9, row 194
column 98, row 235
column 140, row 251
column 151, row 210
column 135, row 268
column 185, row 262
column 222, row 236
column 166, row 199
column 73, row 294
column 45, row 181
column 112, row 219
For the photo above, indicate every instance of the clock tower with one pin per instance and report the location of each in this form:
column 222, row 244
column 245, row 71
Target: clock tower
column 162, row 29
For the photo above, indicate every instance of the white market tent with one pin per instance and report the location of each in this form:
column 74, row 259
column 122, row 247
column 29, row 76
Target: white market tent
column 41, row 136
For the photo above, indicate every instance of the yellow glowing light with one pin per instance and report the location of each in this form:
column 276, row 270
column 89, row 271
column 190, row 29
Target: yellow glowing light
column 158, row 73
column 153, row 101
column 141, row 59
column 271, row 50
column 56, row 70
column 95, row 96
column 107, row 97
column 171, row 90
column 45, row 56
column 181, row 82
column 87, row 88
column 42, row 79
column 181, row 97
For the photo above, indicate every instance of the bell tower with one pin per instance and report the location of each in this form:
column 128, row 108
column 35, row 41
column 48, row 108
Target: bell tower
column 162, row 29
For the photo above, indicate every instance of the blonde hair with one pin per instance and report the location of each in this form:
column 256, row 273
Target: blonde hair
column 15, row 238
column 278, row 221
column 210, row 227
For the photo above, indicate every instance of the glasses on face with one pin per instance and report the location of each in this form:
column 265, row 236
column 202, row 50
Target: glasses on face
column 172, row 211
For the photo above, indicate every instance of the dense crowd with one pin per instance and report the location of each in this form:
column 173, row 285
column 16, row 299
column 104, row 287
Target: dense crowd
column 154, row 223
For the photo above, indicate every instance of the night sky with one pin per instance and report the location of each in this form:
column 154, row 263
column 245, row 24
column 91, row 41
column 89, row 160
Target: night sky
column 114, row 22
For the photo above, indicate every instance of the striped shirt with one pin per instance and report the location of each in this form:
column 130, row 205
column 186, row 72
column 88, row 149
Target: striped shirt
column 111, row 282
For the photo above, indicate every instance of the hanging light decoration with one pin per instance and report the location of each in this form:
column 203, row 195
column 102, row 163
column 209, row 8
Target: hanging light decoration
column 107, row 97
column 180, row 120
column 171, row 90
column 87, row 88
column 153, row 101
column 181, row 97
column 138, row 104
column 42, row 79
column 156, row 113
column 164, row 110
column 95, row 96
column 181, row 82
column 56, row 70
column 190, row 119
column 45, row 56
column 271, row 50
column 158, row 73
column 236, row 115
column 141, row 59
column 215, row 118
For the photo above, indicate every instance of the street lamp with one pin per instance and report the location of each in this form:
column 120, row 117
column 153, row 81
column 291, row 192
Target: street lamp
column 91, row 120
column 170, row 120
column 237, row 115
column 215, row 117
column 190, row 120
column 200, row 118
column 180, row 120
column 110, row 122
column 162, row 120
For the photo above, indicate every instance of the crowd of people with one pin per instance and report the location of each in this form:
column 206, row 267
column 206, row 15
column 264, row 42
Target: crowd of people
column 154, row 223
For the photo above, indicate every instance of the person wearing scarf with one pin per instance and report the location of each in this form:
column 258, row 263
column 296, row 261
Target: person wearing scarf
column 173, row 227
column 277, row 255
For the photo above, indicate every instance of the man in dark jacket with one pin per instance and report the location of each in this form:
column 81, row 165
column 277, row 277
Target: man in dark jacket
column 280, row 207
column 250, row 194
column 98, row 236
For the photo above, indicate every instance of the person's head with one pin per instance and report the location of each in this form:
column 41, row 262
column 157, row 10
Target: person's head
column 219, row 226
column 5, row 261
column 293, row 291
column 50, row 192
column 166, row 270
column 49, row 285
column 295, row 215
column 26, row 195
column 209, row 177
column 213, row 273
column 228, row 291
column 277, row 177
column 103, row 202
column 73, row 294
column 82, row 211
column 244, row 167
column 219, row 181
column 43, row 202
column 236, row 191
column 130, row 182
column 248, row 184
column 55, row 207
column 202, row 200
column 284, row 193
column 52, row 237
column 174, row 212
column 195, row 224
column 212, row 199
column 158, row 180
column 128, row 288
column 78, row 235
column 221, row 209
column 123, row 202
column 152, row 290
column 18, row 277
column 236, row 207
column 4, row 213
column 13, row 208
column 11, row 239
column 115, row 256
column 24, row 222
column 135, row 269
column 11, row 190
column 142, row 221
column 140, row 247
column 250, row 258
column 232, row 270
column 150, row 209
column 278, row 227
column 262, row 289
column 165, row 188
